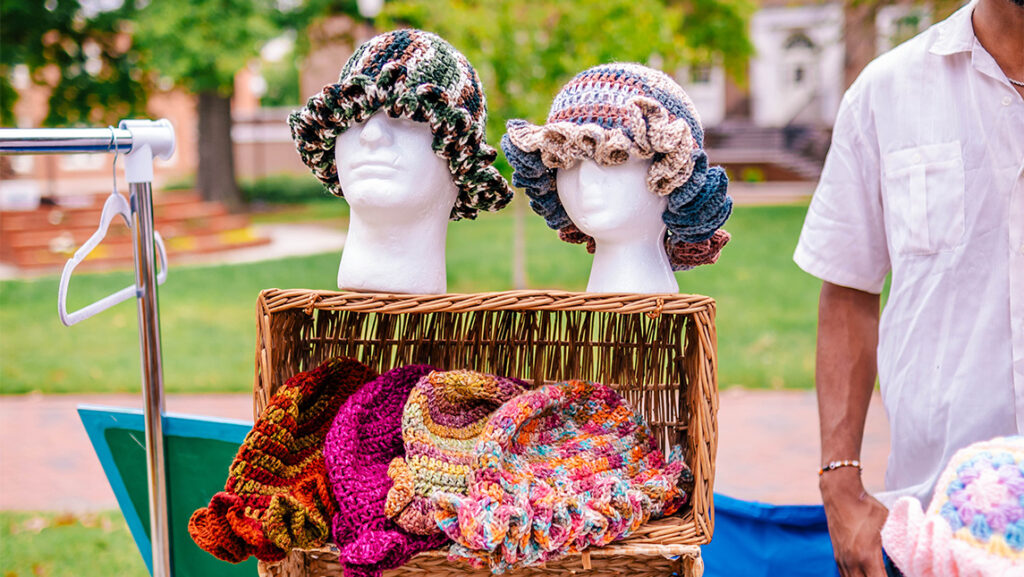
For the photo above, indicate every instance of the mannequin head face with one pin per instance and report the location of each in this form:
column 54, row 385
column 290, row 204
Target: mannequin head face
column 612, row 203
column 388, row 170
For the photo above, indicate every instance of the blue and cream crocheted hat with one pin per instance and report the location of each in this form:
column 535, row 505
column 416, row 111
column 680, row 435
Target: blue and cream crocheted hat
column 608, row 113
column 416, row 75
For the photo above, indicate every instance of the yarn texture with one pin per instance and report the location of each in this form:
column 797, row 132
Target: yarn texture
column 416, row 75
column 557, row 470
column 277, row 497
column 609, row 113
column 365, row 437
column 974, row 526
column 443, row 418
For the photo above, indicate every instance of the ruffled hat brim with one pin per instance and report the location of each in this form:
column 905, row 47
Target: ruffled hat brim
column 457, row 138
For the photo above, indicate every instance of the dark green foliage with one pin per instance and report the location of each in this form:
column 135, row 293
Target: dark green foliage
column 86, row 57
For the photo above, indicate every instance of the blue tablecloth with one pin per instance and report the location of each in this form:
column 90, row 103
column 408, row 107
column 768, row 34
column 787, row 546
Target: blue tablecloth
column 756, row 539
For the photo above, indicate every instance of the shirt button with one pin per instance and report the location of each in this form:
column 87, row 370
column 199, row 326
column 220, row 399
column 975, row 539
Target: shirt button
column 1007, row 100
column 917, row 158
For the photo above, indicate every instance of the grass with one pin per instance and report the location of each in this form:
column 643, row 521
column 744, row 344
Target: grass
column 766, row 319
column 63, row 545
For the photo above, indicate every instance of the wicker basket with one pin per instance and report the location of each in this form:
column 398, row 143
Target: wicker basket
column 657, row 351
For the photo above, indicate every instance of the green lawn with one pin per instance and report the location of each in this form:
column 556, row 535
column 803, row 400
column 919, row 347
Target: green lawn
column 61, row 545
column 766, row 322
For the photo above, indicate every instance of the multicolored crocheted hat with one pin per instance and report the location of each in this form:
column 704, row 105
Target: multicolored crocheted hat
column 559, row 469
column 974, row 526
column 277, row 497
column 609, row 113
column 364, row 438
column 445, row 414
column 417, row 75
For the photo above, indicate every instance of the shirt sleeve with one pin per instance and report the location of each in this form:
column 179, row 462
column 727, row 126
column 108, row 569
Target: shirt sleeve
column 843, row 240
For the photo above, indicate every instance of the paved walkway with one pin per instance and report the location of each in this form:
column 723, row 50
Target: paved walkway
column 767, row 451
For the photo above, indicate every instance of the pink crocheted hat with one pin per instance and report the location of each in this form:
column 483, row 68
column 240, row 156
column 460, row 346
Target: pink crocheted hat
column 559, row 469
column 364, row 438
column 974, row 526
column 444, row 416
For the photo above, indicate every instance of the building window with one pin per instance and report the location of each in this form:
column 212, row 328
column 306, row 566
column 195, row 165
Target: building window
column 799, row 40
column 700, row 73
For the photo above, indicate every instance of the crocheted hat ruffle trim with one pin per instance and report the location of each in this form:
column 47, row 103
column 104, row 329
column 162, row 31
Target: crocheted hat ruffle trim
column 683, row 255
column 457, row 138
column 515, row 517
column 655, row 135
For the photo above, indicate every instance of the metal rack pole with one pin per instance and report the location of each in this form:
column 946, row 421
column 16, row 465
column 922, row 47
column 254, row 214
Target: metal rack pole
column 100, row 140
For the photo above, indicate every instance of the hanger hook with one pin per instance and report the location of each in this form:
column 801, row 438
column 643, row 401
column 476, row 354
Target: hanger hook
column 113, row 166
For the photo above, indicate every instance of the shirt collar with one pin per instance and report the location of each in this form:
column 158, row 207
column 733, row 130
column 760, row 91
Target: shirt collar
column 956, row 33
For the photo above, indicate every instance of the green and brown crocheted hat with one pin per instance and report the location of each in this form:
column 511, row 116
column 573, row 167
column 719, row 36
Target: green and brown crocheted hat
column 416, row 75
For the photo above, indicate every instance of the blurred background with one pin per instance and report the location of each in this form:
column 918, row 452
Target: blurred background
column 240, row 212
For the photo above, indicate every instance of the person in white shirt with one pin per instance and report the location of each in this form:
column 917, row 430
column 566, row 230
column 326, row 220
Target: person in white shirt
column 924, row 179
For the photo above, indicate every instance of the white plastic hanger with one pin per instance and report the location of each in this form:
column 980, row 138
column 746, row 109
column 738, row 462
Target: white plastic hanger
column 115, row 206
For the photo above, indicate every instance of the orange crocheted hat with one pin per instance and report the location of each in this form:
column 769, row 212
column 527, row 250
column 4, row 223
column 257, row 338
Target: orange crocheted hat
column 277, row 496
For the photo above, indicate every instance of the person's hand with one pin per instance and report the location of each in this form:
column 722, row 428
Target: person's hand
column 855, row 522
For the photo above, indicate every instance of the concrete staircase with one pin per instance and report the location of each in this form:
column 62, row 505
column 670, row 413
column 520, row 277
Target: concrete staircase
column 788, row 153
column 46, row 237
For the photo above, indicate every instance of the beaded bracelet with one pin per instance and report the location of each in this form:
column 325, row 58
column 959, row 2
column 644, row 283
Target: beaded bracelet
column 837, row 464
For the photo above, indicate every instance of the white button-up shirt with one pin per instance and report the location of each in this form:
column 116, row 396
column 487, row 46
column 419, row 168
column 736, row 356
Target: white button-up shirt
column 925, row 179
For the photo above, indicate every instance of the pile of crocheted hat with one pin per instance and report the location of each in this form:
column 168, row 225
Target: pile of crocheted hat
column 443, row 418
column 276, row 497
column 974, row 526
column 557, row 470
column 363, row 440
column 416, row 75
column 609, row 113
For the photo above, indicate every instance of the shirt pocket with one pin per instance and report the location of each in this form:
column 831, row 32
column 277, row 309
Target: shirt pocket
column 925, row 196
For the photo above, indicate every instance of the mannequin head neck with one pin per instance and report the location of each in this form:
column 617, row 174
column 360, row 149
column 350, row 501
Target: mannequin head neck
column 400, row 195
column 613, row 205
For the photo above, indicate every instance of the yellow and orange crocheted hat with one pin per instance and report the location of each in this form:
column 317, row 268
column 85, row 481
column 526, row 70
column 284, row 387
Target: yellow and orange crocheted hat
column 445, row 413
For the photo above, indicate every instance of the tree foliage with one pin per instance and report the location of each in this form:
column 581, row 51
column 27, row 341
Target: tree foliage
column 83, row 53
column 201, row 44
column 525, row 50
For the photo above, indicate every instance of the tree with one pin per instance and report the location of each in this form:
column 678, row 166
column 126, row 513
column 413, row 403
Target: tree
column 200, row 45
column 108, row 54
column 83, row 54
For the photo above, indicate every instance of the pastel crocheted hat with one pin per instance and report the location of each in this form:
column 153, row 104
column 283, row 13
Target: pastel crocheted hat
column 609, row 113
column 363, row 440
column 416, row 75
column 974, row 525
column 445, row 414
column 277, row 497
column 559, row 469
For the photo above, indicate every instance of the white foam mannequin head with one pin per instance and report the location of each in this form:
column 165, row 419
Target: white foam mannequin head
column 613, row 205
column 401, row 195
